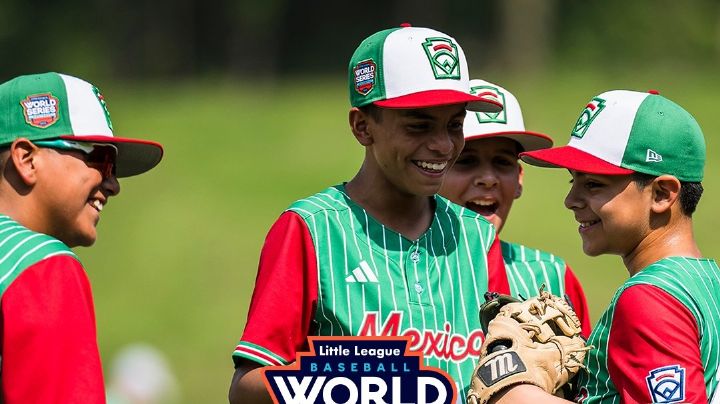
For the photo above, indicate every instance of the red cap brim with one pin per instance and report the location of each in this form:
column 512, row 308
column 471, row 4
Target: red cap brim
column 528, row 140
column 135, row 156
column 572, row 159
column 436, row 98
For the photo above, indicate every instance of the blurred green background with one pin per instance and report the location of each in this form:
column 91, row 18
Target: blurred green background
column 249, row 100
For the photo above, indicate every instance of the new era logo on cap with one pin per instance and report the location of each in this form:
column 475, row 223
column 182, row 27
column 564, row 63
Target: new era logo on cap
column 652, row 156
column 621, row 132
column 412, row 67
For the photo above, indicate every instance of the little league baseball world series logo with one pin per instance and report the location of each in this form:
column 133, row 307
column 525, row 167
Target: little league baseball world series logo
column 364, row 73
column 490, row 92
column 40, row 110
column 348, row 370
column 667, row 384
column 592, row 109
column 444, row 57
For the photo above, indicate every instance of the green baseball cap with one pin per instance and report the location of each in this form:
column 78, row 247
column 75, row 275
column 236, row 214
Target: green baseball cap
column 412, row 67
column 57, row 106
column 620, row 132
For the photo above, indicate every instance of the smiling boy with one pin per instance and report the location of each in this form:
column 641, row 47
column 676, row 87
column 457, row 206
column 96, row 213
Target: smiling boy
column 381, row 254
column 487, row 178
column 59, row 166
column 636, row 161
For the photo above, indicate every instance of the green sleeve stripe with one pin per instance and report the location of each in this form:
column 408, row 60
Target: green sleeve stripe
column 258, row 354
column 22, row 258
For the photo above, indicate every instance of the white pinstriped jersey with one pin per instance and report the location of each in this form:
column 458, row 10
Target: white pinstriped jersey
column 695, row 286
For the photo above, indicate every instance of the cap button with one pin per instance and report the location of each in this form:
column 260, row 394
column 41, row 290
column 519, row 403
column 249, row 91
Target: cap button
column 405, row 25
column 655, row 92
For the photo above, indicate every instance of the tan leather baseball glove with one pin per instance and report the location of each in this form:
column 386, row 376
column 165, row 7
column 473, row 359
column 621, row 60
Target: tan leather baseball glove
column 536, row 341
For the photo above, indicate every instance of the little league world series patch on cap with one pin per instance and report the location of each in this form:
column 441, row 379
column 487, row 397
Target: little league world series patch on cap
column 507, row 123
column 58, row 106
column 620, row 132
column 412, row 67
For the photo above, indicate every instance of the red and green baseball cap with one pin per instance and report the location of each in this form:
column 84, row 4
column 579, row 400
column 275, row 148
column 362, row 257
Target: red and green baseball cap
column 57, row 106
column 507, row 123
column 412, row 67
column 621, row 132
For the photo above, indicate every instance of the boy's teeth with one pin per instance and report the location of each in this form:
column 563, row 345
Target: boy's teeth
column 483, row 203
column 98, row 205
column 432, row 166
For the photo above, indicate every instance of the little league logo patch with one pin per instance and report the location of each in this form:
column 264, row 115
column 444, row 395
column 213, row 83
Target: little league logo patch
column 40, row 110
column 667, row 384
column 101, row 100
column 359, row 370
column 593, row 108
column 364, row 74
column 444, row 58
column 489, row 92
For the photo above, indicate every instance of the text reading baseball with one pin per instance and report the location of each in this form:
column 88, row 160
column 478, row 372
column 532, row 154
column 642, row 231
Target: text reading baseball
column 344, row 370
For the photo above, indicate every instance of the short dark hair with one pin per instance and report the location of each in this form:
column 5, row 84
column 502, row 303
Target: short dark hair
column 690, row 192
column 372, row 111
column 4, row 154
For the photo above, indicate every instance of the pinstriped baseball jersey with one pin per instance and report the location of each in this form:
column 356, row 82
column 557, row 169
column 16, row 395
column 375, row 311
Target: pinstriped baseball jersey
column 529, row 268
column 372, row 281
column 21, row 248
column 695, row 285
column 377, row 282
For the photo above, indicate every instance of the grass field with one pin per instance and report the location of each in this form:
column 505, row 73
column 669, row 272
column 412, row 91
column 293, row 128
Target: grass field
column 176, row 258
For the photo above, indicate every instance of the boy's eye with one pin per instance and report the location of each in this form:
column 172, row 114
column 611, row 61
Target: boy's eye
column 503, row 162
column 418, row 127
column 456, row 125
column 465, row 160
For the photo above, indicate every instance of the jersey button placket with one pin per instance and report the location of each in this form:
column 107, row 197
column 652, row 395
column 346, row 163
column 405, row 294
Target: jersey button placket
column 415, row 269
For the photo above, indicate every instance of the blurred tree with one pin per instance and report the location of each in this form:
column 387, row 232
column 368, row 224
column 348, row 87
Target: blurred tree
column 253, row 38
column 525, row 40
column 617, row 33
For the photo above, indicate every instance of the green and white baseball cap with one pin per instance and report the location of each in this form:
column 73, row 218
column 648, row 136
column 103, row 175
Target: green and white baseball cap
column 57, row 106
column 507, row 123
column 412, row 67
column 621, row 132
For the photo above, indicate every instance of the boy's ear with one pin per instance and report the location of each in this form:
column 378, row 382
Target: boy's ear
column 518, row 191
column 359, row 125
column 22, row 158
column 665, row 192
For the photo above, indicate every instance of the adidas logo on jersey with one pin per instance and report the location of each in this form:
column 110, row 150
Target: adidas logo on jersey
column 362, row 274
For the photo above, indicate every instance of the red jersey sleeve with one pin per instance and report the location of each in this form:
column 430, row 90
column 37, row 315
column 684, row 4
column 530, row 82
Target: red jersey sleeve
column 49, row 342
column 497, row 275
column 653, row 348
column 575, row 293
column 282, row 308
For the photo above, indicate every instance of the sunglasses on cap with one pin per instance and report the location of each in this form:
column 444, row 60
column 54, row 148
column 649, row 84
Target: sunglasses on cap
column 100, row 156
